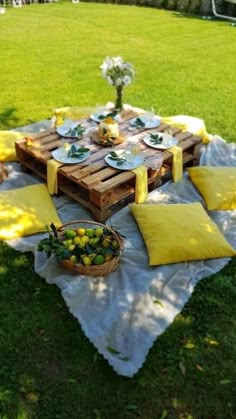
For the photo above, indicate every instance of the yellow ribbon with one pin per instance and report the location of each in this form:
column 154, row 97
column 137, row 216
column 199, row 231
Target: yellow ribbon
column 141, row 184
column 72, row 113
column 189, row 123
column 52, row 166
column 177, row 164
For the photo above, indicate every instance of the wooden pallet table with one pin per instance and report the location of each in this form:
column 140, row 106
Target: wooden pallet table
column 94, row 184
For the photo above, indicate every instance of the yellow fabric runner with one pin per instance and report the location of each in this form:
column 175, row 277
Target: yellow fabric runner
column 52, row 166
column 72, row 113
column 189, row 123
column 177, row 166
column 7, row 144
column 141, row 184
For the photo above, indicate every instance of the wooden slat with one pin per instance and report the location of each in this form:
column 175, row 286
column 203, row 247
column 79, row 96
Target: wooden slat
column 113, row 182
column 181, row 136
column 45, row 134
column 78, row 173
column 98, row 176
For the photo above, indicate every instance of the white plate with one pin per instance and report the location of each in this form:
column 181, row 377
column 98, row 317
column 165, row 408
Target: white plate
column 63, row 129
column 163, row 146
column 149, row 123
column 136, row 162
column 96, row 117
column 58, row 155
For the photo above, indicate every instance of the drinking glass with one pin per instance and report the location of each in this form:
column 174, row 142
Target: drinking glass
column 129, row 156
column 135, row 149
column 63, row 148
column 149, row 116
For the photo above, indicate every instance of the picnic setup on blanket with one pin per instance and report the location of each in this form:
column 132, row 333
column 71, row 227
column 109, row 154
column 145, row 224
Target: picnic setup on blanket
column 125, row 211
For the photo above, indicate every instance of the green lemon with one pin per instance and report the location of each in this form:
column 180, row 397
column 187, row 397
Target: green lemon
column 94, row 241
column 99, row 232
column 67, row 243
column 71, row 247
column 85, row 239
column 87, row 261
column 73, row 259
column 99, row 260
column 69, row 234
column 92, row 256
column 115, row 244
column 106, row 242
column 89, row 232
column 77, row 240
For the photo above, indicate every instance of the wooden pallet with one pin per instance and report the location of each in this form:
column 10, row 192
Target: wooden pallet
column 100, row 188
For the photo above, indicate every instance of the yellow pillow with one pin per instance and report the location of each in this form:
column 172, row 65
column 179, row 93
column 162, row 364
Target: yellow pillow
column 217, row 185
column 7, row 145
column 179, row 232
column 26, row 211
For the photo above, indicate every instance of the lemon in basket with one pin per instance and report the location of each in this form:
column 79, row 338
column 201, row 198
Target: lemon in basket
column 84, row 250
column 89, row 232
column 99, row 260
column 84, row 239
column 81, row 231
column 87, row 261
column 73, row 259
column 98, row 232
column 77, row 240
column 69, row 234
column 115, row 244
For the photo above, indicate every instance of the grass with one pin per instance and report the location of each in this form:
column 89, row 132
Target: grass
column 50, row 56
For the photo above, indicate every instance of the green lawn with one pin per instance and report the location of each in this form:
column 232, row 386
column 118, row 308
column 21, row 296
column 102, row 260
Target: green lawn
column 50, row 57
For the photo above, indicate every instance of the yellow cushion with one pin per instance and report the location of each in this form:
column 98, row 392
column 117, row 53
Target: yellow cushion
column 7, row 145
column 179, row 232
column 26, row 211
column 217, row 185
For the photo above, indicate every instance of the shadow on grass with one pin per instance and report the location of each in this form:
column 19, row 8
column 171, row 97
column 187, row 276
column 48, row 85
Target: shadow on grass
column 8, row 118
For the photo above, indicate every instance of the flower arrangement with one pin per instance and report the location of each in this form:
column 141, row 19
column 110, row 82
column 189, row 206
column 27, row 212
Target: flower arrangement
column 119, row 74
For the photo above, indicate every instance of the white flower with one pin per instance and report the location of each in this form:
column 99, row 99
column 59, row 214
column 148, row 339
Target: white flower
column 117, row 72
column 110, row 81
column 127, row 80
column 107, row 64
column 118, row 82
column 117, row 61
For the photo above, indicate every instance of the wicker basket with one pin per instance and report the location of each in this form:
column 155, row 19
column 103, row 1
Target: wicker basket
column 94, row 270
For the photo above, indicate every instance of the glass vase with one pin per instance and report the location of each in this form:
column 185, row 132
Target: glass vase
column 118, row 102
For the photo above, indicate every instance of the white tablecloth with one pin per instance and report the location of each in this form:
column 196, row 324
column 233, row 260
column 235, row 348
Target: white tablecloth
column 117, row 312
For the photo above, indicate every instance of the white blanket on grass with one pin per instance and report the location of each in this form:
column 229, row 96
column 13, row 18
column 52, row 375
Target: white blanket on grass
column 117, row 312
